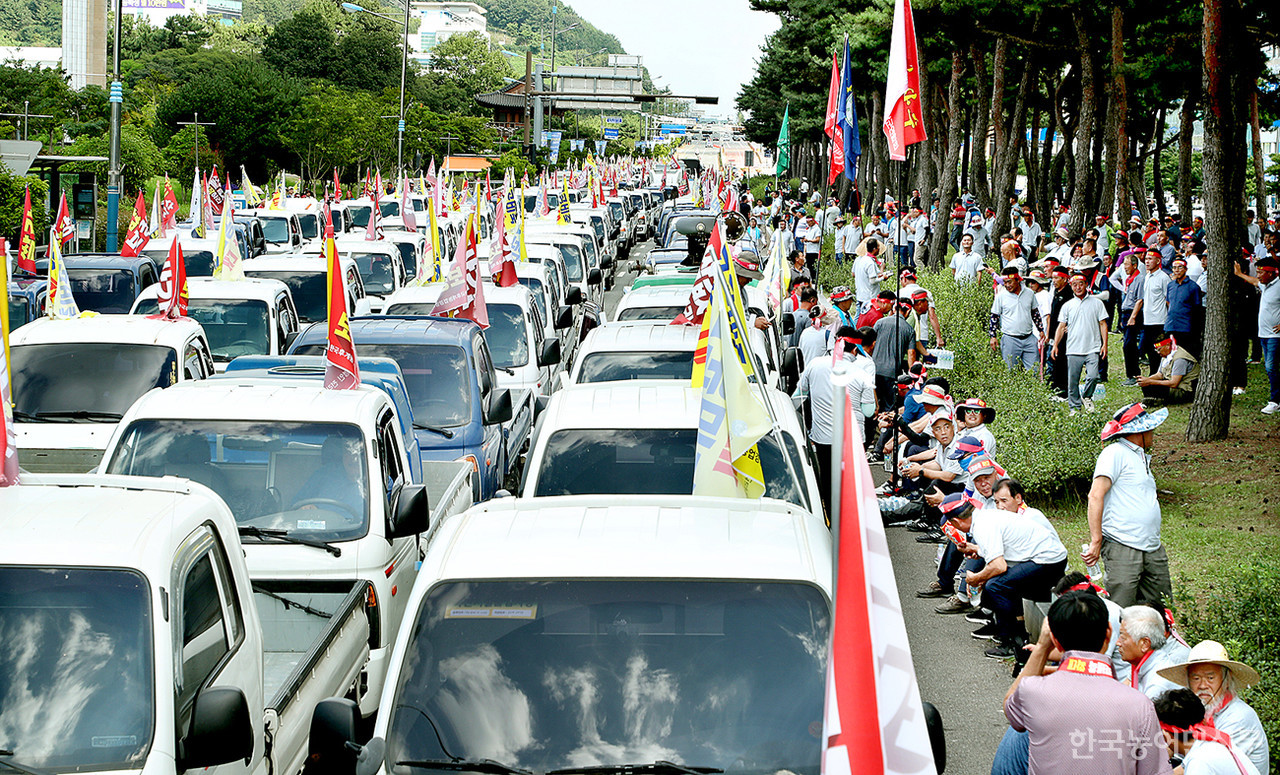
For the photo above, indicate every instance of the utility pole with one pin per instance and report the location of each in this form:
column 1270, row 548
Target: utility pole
column 528, row 99
column 26, row 115
column 404, row 65
column 113, row 171
column 448, row 147
column 197, row 123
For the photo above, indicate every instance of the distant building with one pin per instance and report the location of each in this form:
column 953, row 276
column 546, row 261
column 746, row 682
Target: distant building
column 437, row 22
column 84, row 41
column 32, row 56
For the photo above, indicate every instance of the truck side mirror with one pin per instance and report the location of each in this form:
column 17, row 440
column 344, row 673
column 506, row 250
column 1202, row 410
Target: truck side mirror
column 573, row 295
column 606, row 262
column 792, row 366
column 550, row 354
column 335, row 723
column 220, row 731
column 500, row 410
column 288, row 340
column 564, row 318
column 411, row 513
column 937, row 737
column 594, row 277
column 788, row 324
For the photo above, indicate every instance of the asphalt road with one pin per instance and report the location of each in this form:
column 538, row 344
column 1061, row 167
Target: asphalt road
column 966, row 687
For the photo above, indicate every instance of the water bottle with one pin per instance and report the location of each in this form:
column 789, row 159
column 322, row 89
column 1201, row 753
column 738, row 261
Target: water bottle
column 1100, row 391
column 1094, row 572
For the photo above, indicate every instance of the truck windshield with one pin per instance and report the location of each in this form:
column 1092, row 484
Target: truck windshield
column 621, row 366
column 650, row 313
column 310, row 225
column 437, row 377
column 389, row 209
column 76, row 668
column 307, row 478
column 597, row 223
column 619, row 214
column 275, row 229
column 571, row 673
column 359, row 215
column 508, row 342
column 408, row 257
column 87, row 381
column 234, row 327
column 102, row 290
column 308, row 290
column 646, row 461
column 535, row 288
column 377, row 271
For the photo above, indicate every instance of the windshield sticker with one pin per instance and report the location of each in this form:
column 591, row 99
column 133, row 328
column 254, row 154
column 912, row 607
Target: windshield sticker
column 492, row 612
column 311, row 524
column 113, row 741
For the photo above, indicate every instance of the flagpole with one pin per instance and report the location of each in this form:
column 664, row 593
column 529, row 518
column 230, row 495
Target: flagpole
column 897, row 292
column 837, row 453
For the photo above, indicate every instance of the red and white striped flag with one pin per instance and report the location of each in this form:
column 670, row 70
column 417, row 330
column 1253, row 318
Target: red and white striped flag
column 903, row 117
column 874, row 721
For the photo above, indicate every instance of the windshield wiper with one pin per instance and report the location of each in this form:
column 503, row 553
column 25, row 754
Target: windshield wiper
column 507, row 369
column 285, row 536
column 7, row 762
column 448, row 434
column 659, row 767
column 484, row 766
column 79, row 414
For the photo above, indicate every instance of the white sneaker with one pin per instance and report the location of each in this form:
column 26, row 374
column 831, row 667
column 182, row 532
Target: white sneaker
column 1088, row 404
column 1237, row 391
column 1271, row 408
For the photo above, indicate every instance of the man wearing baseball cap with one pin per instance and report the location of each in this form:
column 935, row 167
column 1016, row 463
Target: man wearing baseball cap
column 1124, row 512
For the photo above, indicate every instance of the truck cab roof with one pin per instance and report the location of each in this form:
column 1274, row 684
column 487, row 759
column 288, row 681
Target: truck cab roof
column 255, row 288
column 248, row 398
column 124, row 329
column 411, row 329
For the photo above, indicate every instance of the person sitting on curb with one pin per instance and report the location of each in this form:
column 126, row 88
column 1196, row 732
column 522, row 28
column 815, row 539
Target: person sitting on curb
column 974, row 415
column 1022, row 560
column 1146, row 648
column 1203, row 749
column 1175, row 381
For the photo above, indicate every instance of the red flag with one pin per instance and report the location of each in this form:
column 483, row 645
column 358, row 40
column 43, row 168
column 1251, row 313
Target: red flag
column 216, row 195
column 832, row 127
column 337, row 186
column 903, row 121
column 27, row 239
column 63, row 227
column 464, row 296
column 488, row 187
column 873, row 722
column 502, row 263
column 341, row 371
column 169, row 207
column 173, row 284
column 139, row 233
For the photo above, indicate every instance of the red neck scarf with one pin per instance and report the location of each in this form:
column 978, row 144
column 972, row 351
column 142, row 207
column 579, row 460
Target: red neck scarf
column 1084, row 665
column 1133, row 674
column 1226, row 700
column 1205, row 732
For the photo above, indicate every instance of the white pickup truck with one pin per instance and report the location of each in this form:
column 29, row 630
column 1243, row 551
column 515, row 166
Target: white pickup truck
column 74, row 379
column 134, row 639
column 605, row 635
column 318, row 481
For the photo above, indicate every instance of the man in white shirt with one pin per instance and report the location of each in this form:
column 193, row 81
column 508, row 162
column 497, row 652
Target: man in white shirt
column 919, row 236
column 1153, row 308
column 1104, row 233
column 867, row 276
column 853, row 235
column 1148, row 649
column 1124, row 513
column 1083, row 324
column 812, row 244
column 877, row 228
column 1015, row 315
column 1061, row 250
column 829, row 216
column 1032, row 235
column 1252, row 231
column 1205, row 750
column 966, row 264
column 1023, row 560
column 842, row 235
column 976, row 227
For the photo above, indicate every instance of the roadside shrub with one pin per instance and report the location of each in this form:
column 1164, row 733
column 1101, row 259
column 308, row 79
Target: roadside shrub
column 1242, row 612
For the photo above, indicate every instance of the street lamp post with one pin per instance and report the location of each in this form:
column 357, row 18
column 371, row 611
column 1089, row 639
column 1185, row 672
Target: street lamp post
column 197, row 123
column 404, row 66
column 113, row 165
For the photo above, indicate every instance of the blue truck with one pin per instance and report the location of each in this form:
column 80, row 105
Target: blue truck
column 460, row 412
column 28, row 297
column 106, row 282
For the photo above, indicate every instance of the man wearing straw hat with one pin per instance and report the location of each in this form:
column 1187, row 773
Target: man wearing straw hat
column 1216, row 679
column 1124, row 513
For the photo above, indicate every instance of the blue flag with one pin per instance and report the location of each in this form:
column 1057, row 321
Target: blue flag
column 847, row 117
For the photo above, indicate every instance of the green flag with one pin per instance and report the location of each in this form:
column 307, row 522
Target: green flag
column 784, row 143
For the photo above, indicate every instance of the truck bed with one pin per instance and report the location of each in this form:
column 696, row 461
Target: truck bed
column 448, row 487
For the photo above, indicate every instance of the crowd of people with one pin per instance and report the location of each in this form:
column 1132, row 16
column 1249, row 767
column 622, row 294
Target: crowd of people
column 1103, row 640
column 1149, row 280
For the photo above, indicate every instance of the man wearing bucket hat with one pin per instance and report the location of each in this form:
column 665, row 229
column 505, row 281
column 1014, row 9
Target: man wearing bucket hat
column 1124, row 513
column 974, row 415
column 1202, row 749
column 1216, row 680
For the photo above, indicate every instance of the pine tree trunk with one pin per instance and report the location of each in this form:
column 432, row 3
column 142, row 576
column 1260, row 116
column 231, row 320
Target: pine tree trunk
column 1226, row 109
column 981, row 185
column 1117, row 129
column 1084, row 128
column 1006, row 178
column 1138, row 182
column 1157, row 176
column 1259, row 177
column 1187, row 120
column 947, row 175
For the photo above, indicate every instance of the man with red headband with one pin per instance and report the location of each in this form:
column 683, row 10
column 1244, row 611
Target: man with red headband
column 1203, row 749
column 1268, row 323
column 1175, row 381
column 1124, row 513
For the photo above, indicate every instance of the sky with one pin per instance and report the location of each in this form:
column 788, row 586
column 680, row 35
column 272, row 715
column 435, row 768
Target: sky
column 701, row 47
